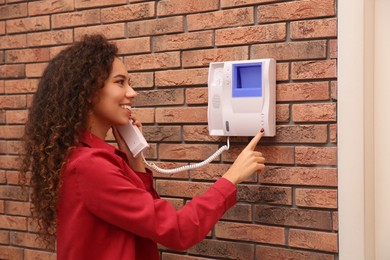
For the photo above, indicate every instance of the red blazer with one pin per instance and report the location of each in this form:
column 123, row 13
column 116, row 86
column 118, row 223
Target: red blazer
column 108, row 211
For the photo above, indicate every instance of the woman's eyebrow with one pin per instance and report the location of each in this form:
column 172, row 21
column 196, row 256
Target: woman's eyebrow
column 120, row 76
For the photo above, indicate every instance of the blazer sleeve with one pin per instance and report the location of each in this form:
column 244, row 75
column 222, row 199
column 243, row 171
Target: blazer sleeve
column 113, row 197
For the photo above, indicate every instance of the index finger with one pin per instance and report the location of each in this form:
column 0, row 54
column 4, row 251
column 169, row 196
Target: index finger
column 252, row 144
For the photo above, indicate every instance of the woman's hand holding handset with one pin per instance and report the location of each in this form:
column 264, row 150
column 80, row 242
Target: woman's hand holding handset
column 135, row 163
column 248, row 162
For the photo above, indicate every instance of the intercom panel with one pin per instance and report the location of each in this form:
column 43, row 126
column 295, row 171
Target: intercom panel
column 242, row 97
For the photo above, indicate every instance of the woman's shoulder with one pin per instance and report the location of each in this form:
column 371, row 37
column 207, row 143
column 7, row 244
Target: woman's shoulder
column 82, row 157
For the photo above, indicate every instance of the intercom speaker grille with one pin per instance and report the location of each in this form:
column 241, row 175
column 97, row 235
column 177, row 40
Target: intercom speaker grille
column 216, row 101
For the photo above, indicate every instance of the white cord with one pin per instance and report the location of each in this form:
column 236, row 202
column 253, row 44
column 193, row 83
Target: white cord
column 191, row 166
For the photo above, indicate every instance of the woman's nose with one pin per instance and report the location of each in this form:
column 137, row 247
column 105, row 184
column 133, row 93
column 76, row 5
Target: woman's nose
column 130, row 92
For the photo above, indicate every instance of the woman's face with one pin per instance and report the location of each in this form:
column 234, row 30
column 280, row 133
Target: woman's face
column 112, row 103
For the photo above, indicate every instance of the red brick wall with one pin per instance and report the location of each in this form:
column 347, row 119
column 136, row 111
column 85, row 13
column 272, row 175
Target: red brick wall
column 287, row 212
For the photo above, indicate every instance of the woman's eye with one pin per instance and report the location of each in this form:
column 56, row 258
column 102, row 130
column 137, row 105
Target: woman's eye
column 121, row 82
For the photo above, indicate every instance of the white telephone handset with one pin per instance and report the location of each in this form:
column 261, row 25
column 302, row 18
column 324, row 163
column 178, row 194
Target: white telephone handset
column 133, row 138
column 137, row 144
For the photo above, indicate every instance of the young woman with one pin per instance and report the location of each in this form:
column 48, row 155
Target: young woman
column 98, row 200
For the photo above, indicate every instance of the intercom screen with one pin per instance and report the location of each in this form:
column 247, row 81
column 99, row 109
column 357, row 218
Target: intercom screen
column 247, row 80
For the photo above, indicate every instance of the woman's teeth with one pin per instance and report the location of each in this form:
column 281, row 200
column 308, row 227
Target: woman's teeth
column 126, row 107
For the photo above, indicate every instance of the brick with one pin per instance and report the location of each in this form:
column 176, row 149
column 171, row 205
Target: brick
column 223, row 249
column 170, row 256
column 250, row 232
column 156, row 27
column 152, row 61
column 18, row 208
column 16, row 116
column 182, row 189
column 13, row 11
column 50, row 38
column 9, row 162
column 335, row 217
column 239, row 212
column 145, row 115
column 2, row 87
column 133, row 46
column 11, row 131
column 196, row 96
column 2, row 117
column 8, row 252
column 36, row 255
column 3, row 178
column 174, row 7
column 187, row 77
column 159, row 97
column 264, row 194
column 14, row 147
column 320, row 112
column 296, row 10
column 183, row 41
column 13, row 101
column 110, row 31
column 290, row 50
column 54, row 51
column 313, row 240
column 13, row 222
column 302, row 176
column 21, row 86
column 282, row 71
column 220, row 19
column 333, row 49
column 282, row 113
column 181, row 115
column 4, row 239
column 81, row 18
column 323, row 28
column 39, row 23
column 2, row 27
column 300, row 134
column 13, row 177
column 199, row 133
column 13, row 41
column 200, row 58
column 50, row 7
column 3, row 150
column 307, row 91
column 12, row 192
column 28, row 240
column 187, row 152
column 35, row 70
column 141, row 80
column 333, row 133
column 316, row 155
column 277, row 253
column 314, row 70
column 333, row 90
column 81, row 4
column 283, row 216
column 12, row 71
column 209, row 172
column 162, row 133
column 250, row 35
column 131, row 12
column 27, row 55
column 316, row 198
column 232, row 3
column 272, row 154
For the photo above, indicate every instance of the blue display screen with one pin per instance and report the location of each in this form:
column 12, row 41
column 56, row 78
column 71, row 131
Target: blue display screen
column 247, row 80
